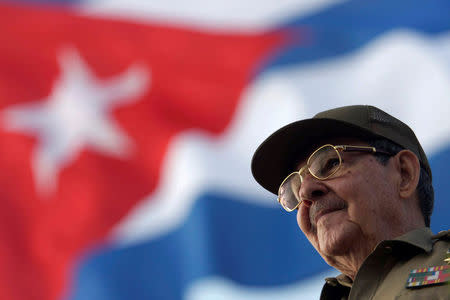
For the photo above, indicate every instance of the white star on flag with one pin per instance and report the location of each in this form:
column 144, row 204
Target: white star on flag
column 75, row 116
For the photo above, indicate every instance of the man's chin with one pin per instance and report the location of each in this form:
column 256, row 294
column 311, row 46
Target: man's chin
column 335, row 241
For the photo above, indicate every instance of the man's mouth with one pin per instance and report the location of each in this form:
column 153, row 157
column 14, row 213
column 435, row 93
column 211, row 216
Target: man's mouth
column 324, row 207
column 325, row 212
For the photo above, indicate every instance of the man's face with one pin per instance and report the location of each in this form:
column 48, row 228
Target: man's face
column 354, row 209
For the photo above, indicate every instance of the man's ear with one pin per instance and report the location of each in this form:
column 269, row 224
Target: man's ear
column 409, row 167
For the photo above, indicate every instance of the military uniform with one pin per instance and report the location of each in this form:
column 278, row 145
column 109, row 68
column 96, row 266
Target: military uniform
column 396, row 264
column 411, row 266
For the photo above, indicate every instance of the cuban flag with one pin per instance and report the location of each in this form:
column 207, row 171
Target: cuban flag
column 127, row 129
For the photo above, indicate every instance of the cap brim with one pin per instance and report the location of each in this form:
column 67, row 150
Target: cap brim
column 278, row 155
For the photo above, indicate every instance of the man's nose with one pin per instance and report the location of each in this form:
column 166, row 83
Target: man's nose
column 311, row 189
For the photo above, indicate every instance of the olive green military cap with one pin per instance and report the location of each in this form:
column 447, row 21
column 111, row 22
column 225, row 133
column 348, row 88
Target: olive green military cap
column 278, row 155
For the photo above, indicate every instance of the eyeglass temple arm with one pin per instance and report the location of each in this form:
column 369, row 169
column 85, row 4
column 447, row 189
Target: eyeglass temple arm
column 364, row 148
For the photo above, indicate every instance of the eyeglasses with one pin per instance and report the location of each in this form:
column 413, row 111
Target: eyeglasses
column 322, row 164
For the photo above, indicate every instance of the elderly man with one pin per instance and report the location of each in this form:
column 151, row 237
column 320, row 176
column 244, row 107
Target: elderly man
column 361, row 184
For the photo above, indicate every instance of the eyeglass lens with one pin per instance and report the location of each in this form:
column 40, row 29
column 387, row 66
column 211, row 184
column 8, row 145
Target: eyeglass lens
column 288, row 192
column 322, row 164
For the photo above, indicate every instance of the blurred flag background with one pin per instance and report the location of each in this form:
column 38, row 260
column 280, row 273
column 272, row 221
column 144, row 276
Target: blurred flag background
column 127, row 129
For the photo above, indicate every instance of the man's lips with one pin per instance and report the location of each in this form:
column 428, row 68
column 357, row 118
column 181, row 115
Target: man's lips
column 323, row 207
column 325, row 212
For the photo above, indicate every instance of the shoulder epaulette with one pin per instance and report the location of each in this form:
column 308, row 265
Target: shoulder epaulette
column 442, row 235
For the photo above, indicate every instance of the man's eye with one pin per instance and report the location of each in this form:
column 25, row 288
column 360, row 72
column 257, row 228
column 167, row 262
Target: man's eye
column 330, row 164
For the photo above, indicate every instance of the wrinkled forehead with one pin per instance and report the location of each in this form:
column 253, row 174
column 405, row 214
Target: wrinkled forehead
column 302, row 158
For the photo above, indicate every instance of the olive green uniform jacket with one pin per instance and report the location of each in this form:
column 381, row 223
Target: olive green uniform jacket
column 385, row 272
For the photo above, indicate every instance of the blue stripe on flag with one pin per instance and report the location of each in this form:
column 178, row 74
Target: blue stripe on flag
column 345, row 27
column 251, row 245
column 221, row 236
column 440, row 163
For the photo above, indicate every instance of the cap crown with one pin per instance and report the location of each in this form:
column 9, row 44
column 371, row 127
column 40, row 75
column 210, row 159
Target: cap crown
column 279, row 154
column 380, row 124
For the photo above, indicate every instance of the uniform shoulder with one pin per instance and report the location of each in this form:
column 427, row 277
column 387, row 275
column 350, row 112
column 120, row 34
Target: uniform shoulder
column 442, row 235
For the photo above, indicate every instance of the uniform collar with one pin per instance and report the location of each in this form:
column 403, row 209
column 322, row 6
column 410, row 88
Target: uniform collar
column 344, row 280
column 420, row 238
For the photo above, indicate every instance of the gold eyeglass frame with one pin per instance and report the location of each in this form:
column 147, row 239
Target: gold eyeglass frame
column 336, row 148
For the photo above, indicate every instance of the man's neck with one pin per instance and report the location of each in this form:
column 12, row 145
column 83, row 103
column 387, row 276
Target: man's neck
column 349, row 263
